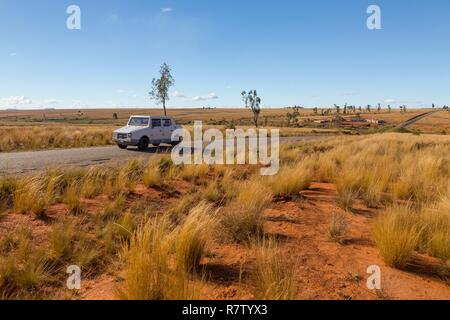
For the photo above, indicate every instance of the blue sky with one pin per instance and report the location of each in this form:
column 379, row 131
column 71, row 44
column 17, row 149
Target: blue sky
column 311, row 53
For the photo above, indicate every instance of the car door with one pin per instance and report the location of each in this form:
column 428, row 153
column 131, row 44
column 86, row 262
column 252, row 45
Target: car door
column 156, row 134
column 167, row 130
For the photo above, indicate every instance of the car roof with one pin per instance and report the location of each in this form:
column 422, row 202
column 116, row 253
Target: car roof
column 153, row 117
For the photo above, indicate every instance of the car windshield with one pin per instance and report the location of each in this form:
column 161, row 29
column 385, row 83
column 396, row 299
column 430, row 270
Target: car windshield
column 139, row 122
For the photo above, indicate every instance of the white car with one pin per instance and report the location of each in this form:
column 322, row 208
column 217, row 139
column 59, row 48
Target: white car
column 144, row 130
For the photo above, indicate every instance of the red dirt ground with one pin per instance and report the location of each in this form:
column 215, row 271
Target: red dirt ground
column 325, row 269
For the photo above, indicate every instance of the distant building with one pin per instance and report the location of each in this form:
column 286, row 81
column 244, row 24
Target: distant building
column 376, row 121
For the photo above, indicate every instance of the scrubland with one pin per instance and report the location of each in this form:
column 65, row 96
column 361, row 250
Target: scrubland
column 51, row 129
column 41, row 137
column 152, row 230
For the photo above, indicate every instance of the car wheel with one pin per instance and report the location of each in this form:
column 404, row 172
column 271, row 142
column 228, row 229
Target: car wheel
column 143, row 144
column 122, row 146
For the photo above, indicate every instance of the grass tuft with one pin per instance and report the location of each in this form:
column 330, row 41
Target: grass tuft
column 274, row 274
column 396, row 235
column 244, row 217
column 338, row 227
column 193, row 236
column 291, row 180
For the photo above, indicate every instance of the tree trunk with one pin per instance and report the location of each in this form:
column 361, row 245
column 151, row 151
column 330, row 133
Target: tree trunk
column 164, row 106
column 255, row 119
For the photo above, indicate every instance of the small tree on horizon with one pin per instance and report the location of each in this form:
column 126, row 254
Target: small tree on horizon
column 160, row 87
column 338, row 109
column 252, row 102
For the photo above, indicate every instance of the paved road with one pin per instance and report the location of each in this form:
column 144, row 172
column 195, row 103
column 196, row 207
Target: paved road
column 415, row 119
column 21, row 162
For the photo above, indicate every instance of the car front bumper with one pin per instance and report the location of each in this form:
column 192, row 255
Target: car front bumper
column 126, row 142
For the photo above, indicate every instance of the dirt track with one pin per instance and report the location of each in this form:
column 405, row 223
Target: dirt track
column 415, row 119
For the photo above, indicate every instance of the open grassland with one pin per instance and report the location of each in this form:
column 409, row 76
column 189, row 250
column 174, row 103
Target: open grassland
column 184, row 116
column 41, row 137
column 438, row 123
column 49, row 129
column 152, row 230
column 51, row 136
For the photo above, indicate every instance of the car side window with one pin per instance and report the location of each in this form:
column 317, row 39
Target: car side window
column 167, row 122
column 156, row 123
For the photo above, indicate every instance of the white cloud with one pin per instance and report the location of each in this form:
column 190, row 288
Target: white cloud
column 411, row 102
column 50, row 101
column 13, row 54
column 78, row 104
column 211, row 96
column 178, row 94
column 16, row 100
column 166, row 10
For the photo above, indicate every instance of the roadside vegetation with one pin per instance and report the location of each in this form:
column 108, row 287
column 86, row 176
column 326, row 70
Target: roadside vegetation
column 157, row 227
column 53, row 129
column 42, row 137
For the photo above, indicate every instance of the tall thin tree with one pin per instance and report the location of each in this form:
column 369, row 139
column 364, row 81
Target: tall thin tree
column 160, row 86
column 252, row 102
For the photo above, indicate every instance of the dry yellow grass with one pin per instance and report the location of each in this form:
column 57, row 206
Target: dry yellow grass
column 22, row 273
column 347, row 195
column 152, row 177
column 60, row 239
column 30, row 197
column 114, row 209
column 386, row 169
column 243, row 218
column 73, row 200
column 399, row 231
column 178, row 211
column 8, row 186
column 408, row 167
column 436, row 123
column 274, row 273
column 18, row 138
column 148, row 275
column 397, row 235
column 146, row 259
column 435, row 224
column 160, row 255
column 213, row 193
column 35, row 130
column 292, row 179
column 194, row 172
column 193, row 236
column 338, row 227
column 92, row 183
